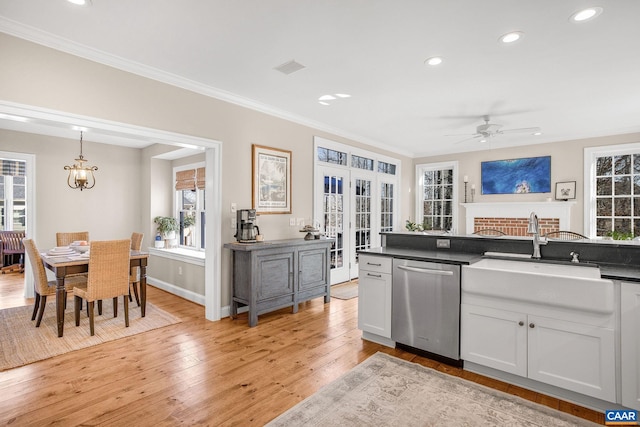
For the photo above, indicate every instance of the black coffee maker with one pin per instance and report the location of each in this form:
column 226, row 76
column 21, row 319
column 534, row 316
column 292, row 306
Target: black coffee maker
column 246, row 228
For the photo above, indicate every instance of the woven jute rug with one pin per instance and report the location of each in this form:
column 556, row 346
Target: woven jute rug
column 345, row 290
column 22, row 343
column 387, row 391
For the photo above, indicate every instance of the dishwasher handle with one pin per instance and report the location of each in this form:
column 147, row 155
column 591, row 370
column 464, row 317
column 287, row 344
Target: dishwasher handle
column 426, row 270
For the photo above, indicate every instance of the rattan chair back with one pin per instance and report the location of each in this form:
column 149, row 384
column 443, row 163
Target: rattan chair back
column 490, row 232
column 136, row 241
column 564, row 235
column 108, row 269
column 65, row 239
column 40, row 282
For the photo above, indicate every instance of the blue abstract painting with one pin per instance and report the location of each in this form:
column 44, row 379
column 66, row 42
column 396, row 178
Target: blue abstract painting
column 526, row 175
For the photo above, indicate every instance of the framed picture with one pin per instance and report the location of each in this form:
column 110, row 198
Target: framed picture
column 271, row 185
column 516, row 176
column 565, row 190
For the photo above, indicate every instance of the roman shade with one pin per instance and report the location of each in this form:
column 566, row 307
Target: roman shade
column 190, row 179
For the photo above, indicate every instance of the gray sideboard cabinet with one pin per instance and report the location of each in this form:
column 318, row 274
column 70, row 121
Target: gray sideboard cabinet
column 275, row 274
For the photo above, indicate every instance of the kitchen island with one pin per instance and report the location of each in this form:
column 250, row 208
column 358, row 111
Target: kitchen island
column 608, row 363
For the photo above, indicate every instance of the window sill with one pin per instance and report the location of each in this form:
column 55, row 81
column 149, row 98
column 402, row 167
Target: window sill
column 180, row 254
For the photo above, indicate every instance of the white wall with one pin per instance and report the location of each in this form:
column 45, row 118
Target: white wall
column 110, row 210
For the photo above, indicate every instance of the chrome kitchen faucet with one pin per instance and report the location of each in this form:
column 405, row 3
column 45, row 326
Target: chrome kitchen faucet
column 534, row 228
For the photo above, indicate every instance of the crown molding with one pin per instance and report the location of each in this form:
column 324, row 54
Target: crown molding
column 62, row 44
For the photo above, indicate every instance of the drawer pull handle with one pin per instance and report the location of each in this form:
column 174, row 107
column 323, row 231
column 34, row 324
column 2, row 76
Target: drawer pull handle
column 376, row 265
column 374, row 275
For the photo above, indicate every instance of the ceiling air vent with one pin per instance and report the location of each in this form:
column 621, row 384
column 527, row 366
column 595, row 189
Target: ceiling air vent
column 289, row 67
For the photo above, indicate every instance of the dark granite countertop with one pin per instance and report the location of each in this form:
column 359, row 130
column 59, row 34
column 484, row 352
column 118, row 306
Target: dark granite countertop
column 445, row 257
column 607, row 270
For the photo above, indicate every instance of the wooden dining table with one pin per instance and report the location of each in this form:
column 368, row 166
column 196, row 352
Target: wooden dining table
column 62, row 266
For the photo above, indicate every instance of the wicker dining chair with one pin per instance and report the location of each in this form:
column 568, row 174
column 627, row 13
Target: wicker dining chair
column 134, row 277
column 108, row 278
column 42, row 287
column 564, row 235
column 490, row 232
column 11, row 246
column 65, row 239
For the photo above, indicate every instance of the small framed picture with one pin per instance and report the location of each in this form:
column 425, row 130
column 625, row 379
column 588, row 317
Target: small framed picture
column 565, row 190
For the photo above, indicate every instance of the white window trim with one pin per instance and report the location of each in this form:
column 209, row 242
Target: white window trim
column 590, row 155
column 420, row 189
column 176, row 202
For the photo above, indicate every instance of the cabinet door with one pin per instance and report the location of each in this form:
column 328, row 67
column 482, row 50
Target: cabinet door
column 572, row 356
column 312, row 268
column 630, row 343
column 374, row 303
column 494, row 338
column 275, row 274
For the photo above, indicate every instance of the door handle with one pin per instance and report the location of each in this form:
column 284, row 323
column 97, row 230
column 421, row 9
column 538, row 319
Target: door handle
column 426, row 270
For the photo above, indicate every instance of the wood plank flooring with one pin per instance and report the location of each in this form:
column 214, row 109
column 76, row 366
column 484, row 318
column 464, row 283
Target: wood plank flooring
column 201, row 373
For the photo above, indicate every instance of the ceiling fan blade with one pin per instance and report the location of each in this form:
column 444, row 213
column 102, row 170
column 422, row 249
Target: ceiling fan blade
column 520, row 130
column 461, row 134
column 469, row 139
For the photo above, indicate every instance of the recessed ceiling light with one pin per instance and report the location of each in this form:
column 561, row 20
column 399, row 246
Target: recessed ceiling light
column 586, row 14
column 483, row 140
column 80, row 2
column 511, row 37
column 326, row 98
column 537, row 133
column 434, row 60
column 343, row 95
column 323, row 103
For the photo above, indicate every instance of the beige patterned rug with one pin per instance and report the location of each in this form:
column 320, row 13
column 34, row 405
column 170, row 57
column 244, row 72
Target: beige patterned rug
column 22, row 343
column 345, row 290
column 387, row 391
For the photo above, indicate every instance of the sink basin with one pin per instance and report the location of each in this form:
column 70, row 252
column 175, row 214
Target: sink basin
column 571, row 286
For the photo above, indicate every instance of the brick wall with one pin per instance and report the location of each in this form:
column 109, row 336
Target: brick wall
column 515, row 226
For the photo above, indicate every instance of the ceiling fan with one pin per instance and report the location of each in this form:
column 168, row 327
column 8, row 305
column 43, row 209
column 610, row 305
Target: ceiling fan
column 489, row 130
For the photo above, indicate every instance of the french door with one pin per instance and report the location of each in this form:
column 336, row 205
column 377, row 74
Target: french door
column 332, row 210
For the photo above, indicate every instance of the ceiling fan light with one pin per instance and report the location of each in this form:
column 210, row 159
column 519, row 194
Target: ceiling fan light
column 586, row 14
column 511, row 37
column 434, row 60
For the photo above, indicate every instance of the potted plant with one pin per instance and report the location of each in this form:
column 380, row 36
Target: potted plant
column 167, row 227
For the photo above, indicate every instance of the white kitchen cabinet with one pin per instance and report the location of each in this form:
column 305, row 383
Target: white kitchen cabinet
column 630, row 344
column 574, row 356
column 374, row 298
column 494, row 338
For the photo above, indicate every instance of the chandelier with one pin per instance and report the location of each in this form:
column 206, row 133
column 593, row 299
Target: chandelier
column 81, row 176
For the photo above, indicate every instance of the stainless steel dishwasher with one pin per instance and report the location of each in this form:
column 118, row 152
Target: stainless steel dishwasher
column 426, row 307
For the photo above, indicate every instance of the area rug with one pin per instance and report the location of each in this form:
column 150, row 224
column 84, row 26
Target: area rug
column 384, row 391
column 345, row 290
column 22, row 343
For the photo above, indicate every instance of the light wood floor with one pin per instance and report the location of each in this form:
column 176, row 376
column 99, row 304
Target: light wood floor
column 203, row 373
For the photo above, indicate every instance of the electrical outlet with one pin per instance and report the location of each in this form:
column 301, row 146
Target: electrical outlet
column 234, row 208
column 179, row 270
column 443, row 243
column 234, row 222
column 292, row 222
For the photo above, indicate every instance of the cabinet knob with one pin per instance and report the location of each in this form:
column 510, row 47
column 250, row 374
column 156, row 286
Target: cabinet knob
column 521, row 323
column 531, row 325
